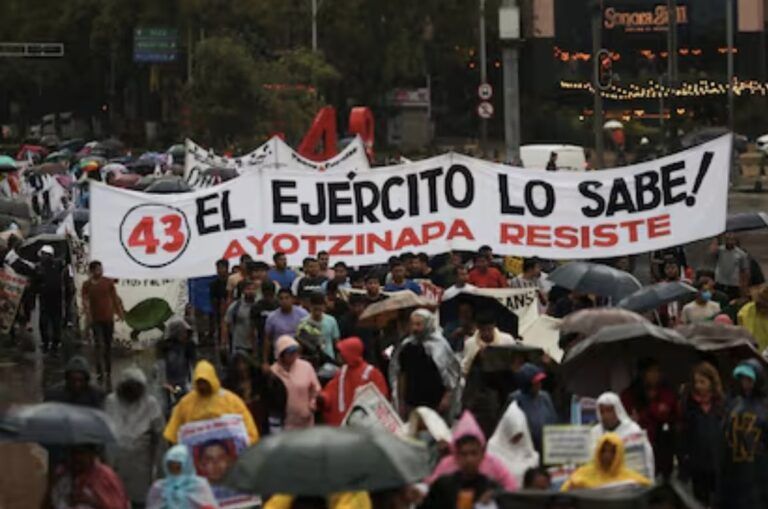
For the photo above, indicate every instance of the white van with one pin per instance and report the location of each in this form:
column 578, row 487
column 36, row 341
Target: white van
column 569, row 157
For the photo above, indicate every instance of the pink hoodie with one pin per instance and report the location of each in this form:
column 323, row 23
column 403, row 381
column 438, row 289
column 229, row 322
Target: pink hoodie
column 491, row 467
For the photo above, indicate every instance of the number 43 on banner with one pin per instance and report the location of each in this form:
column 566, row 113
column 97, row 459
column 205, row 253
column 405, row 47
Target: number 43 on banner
column 154, row 235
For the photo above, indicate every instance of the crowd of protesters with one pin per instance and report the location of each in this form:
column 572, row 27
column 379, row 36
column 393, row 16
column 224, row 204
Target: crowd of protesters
column 291, row 349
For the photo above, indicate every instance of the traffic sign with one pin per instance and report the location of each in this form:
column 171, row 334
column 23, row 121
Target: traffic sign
column 485, row 91
column 155, row 45
column 485, row 110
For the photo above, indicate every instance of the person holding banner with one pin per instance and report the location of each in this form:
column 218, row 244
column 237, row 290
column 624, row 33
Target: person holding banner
column 485, row 276
column 208, row 400
column 424, row 370
column 338, row 395
column 606, row 469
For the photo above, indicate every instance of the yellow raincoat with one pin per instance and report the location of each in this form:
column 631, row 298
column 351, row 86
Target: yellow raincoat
column 349, row 500
column 194, row 407
column 593, row 475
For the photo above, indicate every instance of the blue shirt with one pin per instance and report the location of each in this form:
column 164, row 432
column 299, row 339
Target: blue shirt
column 283, row 278
column 407, row 285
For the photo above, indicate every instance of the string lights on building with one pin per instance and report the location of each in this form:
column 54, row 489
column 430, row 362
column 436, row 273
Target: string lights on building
column 655, row 90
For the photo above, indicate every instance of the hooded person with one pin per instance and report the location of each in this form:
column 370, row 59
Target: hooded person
column 491, row 466
column 424, row 371
column 340, row 391
column 534, row 401
column 77, row 388
column 512, row 443
column 612, row 418
column 208, row 400
column 181, row 488
column 301, row 384
column 606, row 469
column 743, row 472
column 138, row 423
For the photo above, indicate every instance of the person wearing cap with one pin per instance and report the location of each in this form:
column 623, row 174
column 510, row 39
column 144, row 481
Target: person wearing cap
column 743, row 479
column 51, row 283
column 753, row 316
column 534, row 401
column 301, row 384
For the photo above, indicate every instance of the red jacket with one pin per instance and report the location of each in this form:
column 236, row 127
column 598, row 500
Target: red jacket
column 340, row 391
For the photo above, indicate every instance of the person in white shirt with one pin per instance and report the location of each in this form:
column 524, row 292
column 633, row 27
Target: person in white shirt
column 702, row 308
column 461, row 284
column 486, row 334
column 612, row 418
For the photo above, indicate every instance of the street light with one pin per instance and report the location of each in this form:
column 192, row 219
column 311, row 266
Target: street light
column 509, row 33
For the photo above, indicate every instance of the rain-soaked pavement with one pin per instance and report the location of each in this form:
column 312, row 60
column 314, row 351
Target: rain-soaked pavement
column 24, row 375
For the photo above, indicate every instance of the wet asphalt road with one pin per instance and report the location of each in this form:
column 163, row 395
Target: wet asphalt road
column 23, row 375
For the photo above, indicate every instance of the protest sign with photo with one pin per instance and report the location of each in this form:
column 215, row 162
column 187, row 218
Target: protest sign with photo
column 370, row 409
column 433, row 206
column 215, row 445
column 11, row 289
column 566, row 444
column 635, row 453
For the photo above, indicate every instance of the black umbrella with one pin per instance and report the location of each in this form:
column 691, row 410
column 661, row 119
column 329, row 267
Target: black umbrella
column 608, row 359
column 593, row 278
column 653, row 296
column 506, row 319
column 746, row 221
column 61, row 423
column 108, row 148
column 30, row 248
column 168, row 185
column 729, row 344
column 323, row 460
column 223, row 174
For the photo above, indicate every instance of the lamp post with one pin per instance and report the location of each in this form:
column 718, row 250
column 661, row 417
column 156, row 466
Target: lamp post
column 597, row 44
column 509, row 32
column 483, row 75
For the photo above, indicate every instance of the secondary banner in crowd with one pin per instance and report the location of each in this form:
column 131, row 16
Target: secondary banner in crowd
column 443, row 203
column 274, row 154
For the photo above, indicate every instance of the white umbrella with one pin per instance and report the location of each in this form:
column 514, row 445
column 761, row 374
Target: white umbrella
column 613, row 124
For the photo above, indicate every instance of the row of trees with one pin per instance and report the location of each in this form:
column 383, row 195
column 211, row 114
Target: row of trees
column 253, row 72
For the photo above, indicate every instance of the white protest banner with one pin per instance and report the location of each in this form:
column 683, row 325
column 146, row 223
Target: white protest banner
column 274, row 154
column 434, row 206
column 11, row 289
column 370, row 409
column 524, row 302
column 215, row 445
column 566, row 444
column 148, row 303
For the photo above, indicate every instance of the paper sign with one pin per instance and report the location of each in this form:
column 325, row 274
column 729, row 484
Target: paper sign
column 566, row 444
column 11, row 289
column 370, row 409
column 634, row 453
column 215, row 445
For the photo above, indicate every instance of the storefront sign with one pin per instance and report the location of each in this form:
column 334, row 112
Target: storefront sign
column 656, row 20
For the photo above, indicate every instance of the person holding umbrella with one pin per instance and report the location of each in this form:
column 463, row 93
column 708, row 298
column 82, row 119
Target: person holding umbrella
column 85, row 482
column 424, row 370
column 702, row 409
column 653, row 405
